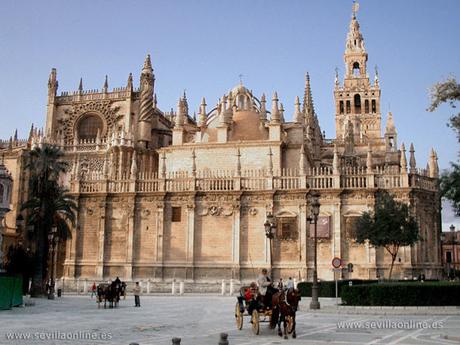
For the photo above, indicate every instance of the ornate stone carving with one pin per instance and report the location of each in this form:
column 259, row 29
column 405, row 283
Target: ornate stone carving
column 103, row 108
column 253, row 211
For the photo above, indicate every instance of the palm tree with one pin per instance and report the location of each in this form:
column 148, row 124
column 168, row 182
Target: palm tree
column 49, row 205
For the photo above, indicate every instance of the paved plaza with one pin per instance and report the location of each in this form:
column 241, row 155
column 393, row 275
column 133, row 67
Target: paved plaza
column 199, row 319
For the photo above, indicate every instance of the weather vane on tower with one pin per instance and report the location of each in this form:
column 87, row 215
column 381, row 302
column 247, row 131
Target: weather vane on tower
column 355, row 7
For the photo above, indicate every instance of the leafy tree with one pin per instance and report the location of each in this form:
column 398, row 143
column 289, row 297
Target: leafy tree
column 446, row 91
column 390, row 226
column 20, row 261
column 48, row 205
column 449, row 91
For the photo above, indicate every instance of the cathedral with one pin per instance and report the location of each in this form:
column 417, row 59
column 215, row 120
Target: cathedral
column 168, row 195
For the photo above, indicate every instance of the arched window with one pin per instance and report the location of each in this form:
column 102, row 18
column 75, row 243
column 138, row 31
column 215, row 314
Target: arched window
column 356, row 70
column 357, row 101
column 341, row 110
column 348, row 107
column 88, row 126
column 366, row 106
column 374, row 106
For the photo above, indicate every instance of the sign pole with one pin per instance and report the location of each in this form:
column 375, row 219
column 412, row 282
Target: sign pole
column 336, row 263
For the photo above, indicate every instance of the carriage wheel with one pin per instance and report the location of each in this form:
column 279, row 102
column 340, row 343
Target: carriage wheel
column 290, row 324
column 238, row 316
column 255, row 322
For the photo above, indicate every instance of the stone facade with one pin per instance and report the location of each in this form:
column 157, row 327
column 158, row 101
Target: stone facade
column 164, row 195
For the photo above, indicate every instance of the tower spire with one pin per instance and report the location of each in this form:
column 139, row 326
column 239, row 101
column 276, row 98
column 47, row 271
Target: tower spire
column 147, row 81
column 308, row 107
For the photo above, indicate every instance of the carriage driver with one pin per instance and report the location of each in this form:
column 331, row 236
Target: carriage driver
column 265, row 287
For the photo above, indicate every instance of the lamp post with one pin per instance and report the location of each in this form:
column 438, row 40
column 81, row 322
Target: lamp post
column 452, row 232
column 53, row 239
column 315, row 205
column 270, row 228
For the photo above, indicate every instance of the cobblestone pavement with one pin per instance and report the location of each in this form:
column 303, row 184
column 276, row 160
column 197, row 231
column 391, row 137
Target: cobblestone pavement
column 198, row 320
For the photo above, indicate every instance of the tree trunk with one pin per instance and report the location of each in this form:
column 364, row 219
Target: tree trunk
column 37, row 278
column 393, row 258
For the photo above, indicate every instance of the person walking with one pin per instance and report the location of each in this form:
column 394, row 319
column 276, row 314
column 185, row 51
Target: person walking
column 290, row 284
column 137, row 293
column 93, row 290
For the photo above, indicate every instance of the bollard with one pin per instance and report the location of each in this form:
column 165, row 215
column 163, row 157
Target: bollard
column 173, row 288
column 176, row 341
column 85, row 286
column 223, row 339
column 223, row 287
column 148, row 286
column 181, row 288
column 231, row 287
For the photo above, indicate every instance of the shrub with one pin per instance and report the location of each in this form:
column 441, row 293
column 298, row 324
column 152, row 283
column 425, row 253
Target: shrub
column 403, row 294
column 327, row 288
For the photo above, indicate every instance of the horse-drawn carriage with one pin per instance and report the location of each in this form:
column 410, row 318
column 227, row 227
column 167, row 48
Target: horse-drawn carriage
column 110, row 292
column 282, row 308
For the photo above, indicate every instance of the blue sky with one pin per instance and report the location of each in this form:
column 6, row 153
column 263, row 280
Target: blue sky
column 204, row 45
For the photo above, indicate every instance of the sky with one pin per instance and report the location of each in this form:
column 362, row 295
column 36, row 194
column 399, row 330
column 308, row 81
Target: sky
column 203, row 46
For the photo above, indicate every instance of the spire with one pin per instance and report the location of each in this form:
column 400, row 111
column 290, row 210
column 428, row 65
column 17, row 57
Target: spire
column 275, row 110
column 308, row 107
column 281, row 112
column 403, row 160
column 129, row 84
column 238, row 162
column 390, row 126
column 133, row 171
column 155, row 102
column 106, row 84
column 335, row 161
column 202, row 116
column 147, row 69
column 180, row 117
column 412, row 162
column 263, row 109
column 298, row 115
column 433, row 168
column 369, row 159
column 302, row 160
column 80, row 86
column 185, row 103
column 52, row 83
column 193, row 162
column 270, row 161
column 355, row 40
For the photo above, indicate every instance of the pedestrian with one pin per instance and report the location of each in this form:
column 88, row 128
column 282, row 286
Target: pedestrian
column 93, row 290
column 290, row 283
column 280, row 284
column 137, row 293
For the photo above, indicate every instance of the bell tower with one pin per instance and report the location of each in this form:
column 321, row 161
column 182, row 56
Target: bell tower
column 357, row 100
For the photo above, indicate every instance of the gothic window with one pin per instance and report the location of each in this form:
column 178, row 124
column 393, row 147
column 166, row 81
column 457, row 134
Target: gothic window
column 341, row 107
column 366, row 106
column 374, row 106
column 287, row 228
column 176, row 214
column 348, row 107
column 357, row 101
column 356, row 69
column 88, row 127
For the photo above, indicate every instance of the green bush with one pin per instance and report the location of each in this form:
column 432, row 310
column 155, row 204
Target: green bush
column 327, row 288
column 402, row 294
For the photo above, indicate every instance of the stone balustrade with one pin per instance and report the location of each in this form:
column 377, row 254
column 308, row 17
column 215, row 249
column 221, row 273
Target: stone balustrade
column 254, row 180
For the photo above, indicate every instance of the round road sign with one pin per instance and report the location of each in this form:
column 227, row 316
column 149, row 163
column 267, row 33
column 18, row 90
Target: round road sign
column 336, row 262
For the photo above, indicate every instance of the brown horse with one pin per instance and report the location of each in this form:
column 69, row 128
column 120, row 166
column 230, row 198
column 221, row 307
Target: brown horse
column 285, row 306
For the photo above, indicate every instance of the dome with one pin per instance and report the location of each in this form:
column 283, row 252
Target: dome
column 240, row 89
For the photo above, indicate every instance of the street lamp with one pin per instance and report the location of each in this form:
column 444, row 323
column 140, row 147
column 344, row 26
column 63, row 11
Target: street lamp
column 315, row 205
column 53, row 239
column 270, row 229
column 452, row 231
